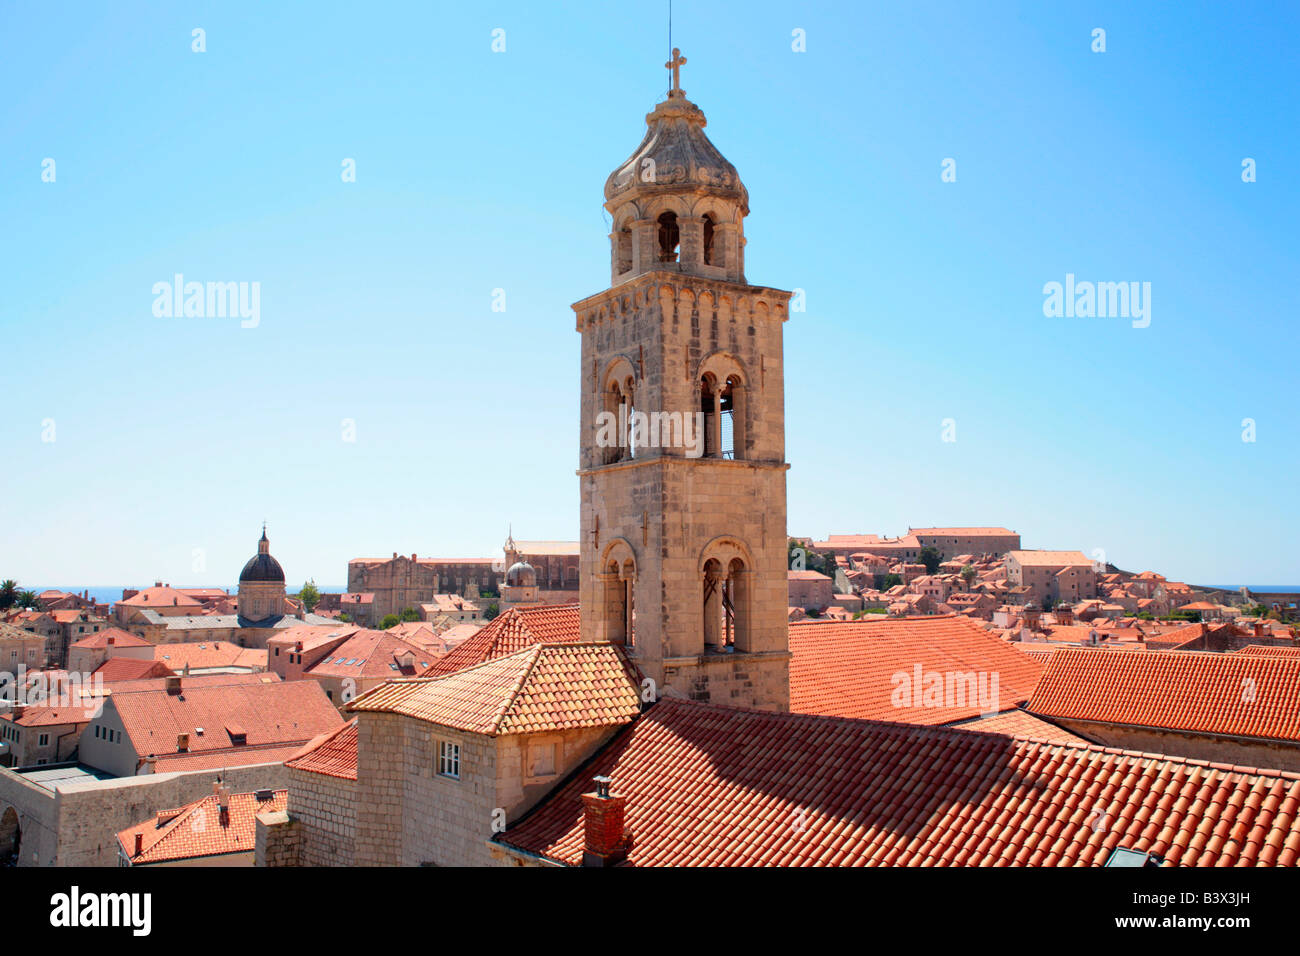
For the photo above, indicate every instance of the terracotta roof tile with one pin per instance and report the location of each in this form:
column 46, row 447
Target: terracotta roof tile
column 708, row 785
column 1018, row 723
column 120, row 638
column 513, row 630
column 129, row 668
column 1242, row 695
column 198, row 830
column 270, row 712
column 332, row 754
column 850, row 669
column 542, row 687
column 1264, row 650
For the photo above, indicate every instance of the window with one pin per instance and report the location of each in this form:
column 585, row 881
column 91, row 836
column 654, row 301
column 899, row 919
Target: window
column 541, row 760
column 449, row 759
column 708, row 240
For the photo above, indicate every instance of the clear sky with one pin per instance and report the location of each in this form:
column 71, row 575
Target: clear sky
column 478, row 170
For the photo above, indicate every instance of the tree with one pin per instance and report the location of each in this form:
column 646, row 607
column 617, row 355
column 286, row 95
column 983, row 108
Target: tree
column 28, row 599
column 8, row 593
column 309, row 596
column 343, row 616
column 931, row 558
column 968, row 575
column 409, row 614
column 891, row 580
column 795, row 552
column 390, row 620
column 492, row 611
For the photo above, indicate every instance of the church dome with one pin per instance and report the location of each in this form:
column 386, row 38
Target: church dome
column 521, row 575
column 261, row 566
column 675, row 155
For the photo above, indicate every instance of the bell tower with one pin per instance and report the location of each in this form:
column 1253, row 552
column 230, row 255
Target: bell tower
column 682, row 447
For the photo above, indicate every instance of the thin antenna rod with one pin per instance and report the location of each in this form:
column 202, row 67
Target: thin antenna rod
column 670, row 39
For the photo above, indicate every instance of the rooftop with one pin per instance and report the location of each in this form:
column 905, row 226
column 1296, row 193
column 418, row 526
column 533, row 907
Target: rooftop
column 716, row 786
column 540, row 688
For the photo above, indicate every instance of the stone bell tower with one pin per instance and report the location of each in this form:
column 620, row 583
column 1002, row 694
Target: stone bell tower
column 682, row 462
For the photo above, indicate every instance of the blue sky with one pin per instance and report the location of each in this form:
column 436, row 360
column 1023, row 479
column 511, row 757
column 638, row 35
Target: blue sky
column 478, row 170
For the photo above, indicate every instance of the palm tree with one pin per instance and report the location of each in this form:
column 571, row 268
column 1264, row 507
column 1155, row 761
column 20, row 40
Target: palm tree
column 8, row 592
column 28, row 599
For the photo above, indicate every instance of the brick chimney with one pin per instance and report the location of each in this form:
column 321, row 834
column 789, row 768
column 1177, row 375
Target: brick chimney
column 1064, row 614
column 139, row 844
column 605, row 842
column 173, row 684
column 1259, row 628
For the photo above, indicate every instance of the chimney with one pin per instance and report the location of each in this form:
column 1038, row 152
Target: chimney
column 182, row 743
column 173, row 684
column 150, row 764
column 605, row 842
column 139, row 844
column 111, row 640
column 1064, row 615
column 223, row 803
column 1259, row 628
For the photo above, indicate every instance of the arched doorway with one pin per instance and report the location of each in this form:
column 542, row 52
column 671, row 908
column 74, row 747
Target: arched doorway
column 10, row 837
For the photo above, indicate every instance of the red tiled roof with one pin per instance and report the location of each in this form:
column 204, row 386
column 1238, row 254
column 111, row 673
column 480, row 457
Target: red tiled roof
column 1017, row 723
column 850, row 669
column 272, row 714
column 1264, row 650
column 1235, row 694
column 130, row 668
column 197, row 830
column 159, row 596
column 716, row 786
column 120, row 638
column 204, row 655
column 372, row 654
column 513, row 630
column 224, row 759
column 540, row 688
column 333, row 754
column 1049, row 559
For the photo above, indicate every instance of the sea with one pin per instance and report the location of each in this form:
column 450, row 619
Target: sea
column 111, row 594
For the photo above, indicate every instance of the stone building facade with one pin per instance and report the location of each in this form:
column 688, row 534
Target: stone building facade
column 683, row 518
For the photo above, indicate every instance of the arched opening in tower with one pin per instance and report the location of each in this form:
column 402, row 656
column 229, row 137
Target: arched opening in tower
column 669, row 237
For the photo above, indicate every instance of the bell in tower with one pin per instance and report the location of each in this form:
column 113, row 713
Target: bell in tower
column 682, row 461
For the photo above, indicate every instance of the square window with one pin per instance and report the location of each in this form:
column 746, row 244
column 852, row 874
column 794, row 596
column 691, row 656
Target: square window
column 541, row 760
column 449, row 759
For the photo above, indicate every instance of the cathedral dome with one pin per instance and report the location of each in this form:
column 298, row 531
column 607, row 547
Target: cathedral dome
column 521, row 575
column 675, row 155
column 261, row 566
